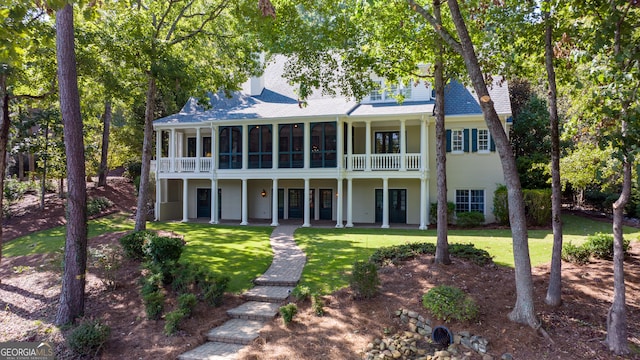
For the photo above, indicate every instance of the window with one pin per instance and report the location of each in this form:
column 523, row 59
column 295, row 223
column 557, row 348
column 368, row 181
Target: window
column 470, row 200
column 291, row 146
column 483, row 140
column 457, row 140
column 388, row 142
column 230, row 147
column 260, row 147
column 323, row 145
column 376, row 93
column 191, row 147
column 192, row 144
column 405, row 91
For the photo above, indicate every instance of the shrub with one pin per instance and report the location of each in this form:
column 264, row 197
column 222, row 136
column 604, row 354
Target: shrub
column 397, row 253
column 600, row 245
column 153, row 304
column 186, row 303
column 501, row 205
column 88, row 338
column 449, row 302
column 162, row 250
column 213, row 287
column 132, row 170
column 433, row 212
column 317, row 304
column 97, row 205
column 470, row 219
column 301, row 292
column 287, row 312
column 107, row 261
column 575, row 254
column 173, row 320
column 537, row 206
column 364, row 279
column 133, row 243
column 470, row 252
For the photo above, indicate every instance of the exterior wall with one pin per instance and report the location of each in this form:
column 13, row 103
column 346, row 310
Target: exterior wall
column 364, row 201
column 171, row 204
column 231, row 199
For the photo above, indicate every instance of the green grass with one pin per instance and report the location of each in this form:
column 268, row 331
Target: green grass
column 332, row 252
column 243, row 253
column 48, row 241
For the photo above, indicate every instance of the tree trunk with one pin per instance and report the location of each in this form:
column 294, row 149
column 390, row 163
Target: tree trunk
column 43, row 182
column 143, row 191
column 4, row 138
column 75, row 255
column 102, row 172
column 554, row 292
column 442, row 246
column 523, row 311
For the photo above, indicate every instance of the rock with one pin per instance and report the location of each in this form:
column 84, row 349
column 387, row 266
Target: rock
column 456, row 339
column 382, row 346
column 405, row 311
column 413, row 320
column 506, row 356
column 413, row 327
column 441, row 354
column 423, row 332
column 421, row 318
column 487, row 357
column 396, row 354
column 370, row 346
column 466, row 342
column 412, row 314
column 399, row 312
column 464, row 334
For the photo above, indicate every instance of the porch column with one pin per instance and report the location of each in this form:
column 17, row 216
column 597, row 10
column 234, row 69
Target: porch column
column 306, row 151
column 349, row 202
column 245, row 205
column 158, row 199
column 214, row 202
column 339, row 196
column 339, row 144
column 198, row 149
column 275, row 147
column 245, row 147
column 306, row 203
column 157, row 170
column 172, row 149
column 367, row 166
column 349, row 145
column 185, row 200
column 274, row 203
column 385, row 203
column 215, row 138
column 403, row 145
column 424, row 160
column 424, row 204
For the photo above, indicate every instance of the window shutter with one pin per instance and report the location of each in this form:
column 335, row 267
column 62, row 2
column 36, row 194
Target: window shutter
column 492, row 145
column 465, row 140
column 448, row 141
column 474, row 140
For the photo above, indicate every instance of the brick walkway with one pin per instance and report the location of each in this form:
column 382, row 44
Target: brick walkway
column 272, row 289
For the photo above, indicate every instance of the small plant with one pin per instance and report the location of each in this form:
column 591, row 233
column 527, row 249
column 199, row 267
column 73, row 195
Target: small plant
column 575, row 254
column 469, row 219
column 133, row 243
column 153, row 304
column 162, row 249
column 287, row 312
column 97, row 205
column 172, row 321
column 301, row 292
column 213, row 288
column 364, row 279
column 470, row 252
column 107, row 260
column 433, row 212
column 600, row 245
column 500, row 205
column 317, row 304
column 88, row 338
column 396, row 253
column 186, row 303
column 449, row 302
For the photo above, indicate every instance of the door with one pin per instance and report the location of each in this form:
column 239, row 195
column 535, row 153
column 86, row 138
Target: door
column 296, row 199
column 326, row 204
column 204, row 203
column 397, row 205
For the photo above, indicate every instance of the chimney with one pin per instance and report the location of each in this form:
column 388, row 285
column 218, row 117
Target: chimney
column 257, row 82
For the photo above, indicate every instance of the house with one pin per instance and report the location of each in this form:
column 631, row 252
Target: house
column 262, row 155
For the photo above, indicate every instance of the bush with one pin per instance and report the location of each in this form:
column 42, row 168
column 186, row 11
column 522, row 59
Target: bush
column 470, row 219
column 600, row 245
column 449, row 302
column 213, row 287
column 501, row 205
column 186, row 303
column 153, row 304
column 287, row 312
column 317, row 304
column 173, row 320
column 107, row 261
column 433, row 212
column 470, row 252
column 301, row 292
column 364, row 279
column 537, row 206
column 97, row 205
column 88, row 338
column 132, row 170
column 575, row 254
column 15, row 189
column 397, row 253
column 133, row 243
column 162, row 250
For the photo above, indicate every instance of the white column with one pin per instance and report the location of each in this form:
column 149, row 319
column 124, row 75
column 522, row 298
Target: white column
column 305, row 205
column 245, row 204
column 245, row 147
column 349, row 146
column 403, row 145
column 172, row 149
column 157, row 170
column 385, row 203
column 339, row 144
column 306, row 151
column 424, row 159
column 185, row 200
column 158, row 198
column 349, row 202
column 424, row 205
column 368, row 147
column 274, row 203
column 215, row 138
column 198, row 149
column 214, row 202
column 275, row 147
column 339, row 196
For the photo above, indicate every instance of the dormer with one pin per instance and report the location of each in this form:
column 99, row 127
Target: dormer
column 387, row 93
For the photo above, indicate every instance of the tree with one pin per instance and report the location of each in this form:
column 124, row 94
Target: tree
column 106, row 117
column 75, row 255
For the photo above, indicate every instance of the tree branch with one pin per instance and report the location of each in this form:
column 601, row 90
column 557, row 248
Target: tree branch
column 200, row 29
column 177, row 20
column 164, row 16
column 446, row 36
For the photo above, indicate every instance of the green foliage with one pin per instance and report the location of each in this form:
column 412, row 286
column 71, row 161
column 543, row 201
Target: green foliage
column 501, row 205
column 173, row 320
column 213, row 288
column 364, row 279
column 15, row 189
column 600, row 245
column 186, row 303
column 153, row 304
column 575, row 254
column 88, row 338
column 449, row 302
column 317, row 304
column 470, row 252
column 163, row 250
column 396, row 253
column 107, row 260
column 433, row 213
column 301, row 292
column 470, row 219
column 97, row 205
column 133, row 243
column 537, row 206
column 132, row 170
column 287, row 312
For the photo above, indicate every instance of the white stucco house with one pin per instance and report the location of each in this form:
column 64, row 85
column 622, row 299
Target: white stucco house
column 262, row 157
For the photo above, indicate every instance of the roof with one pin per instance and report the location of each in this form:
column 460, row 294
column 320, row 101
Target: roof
column 279, row 100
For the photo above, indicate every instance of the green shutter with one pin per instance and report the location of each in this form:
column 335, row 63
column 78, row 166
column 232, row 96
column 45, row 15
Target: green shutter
column 492, row 145
column 448, row 141
column 474, row 140
column 465, row 140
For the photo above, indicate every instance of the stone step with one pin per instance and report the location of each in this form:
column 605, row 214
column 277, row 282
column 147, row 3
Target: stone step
column 236, row 331
column 255, row 310
column 274, row 294
column 213, row 351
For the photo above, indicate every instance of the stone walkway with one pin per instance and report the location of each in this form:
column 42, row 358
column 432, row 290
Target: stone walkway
column 263, row 301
